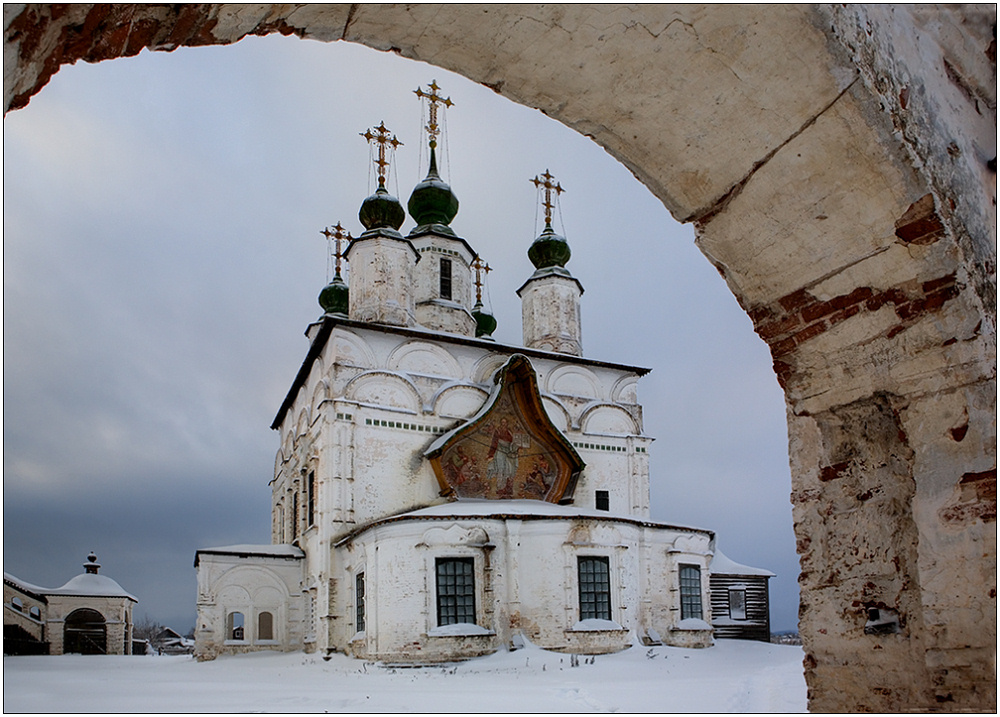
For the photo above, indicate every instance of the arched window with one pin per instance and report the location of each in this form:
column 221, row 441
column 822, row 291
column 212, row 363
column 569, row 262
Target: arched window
column 17, row 604
column 265, row 626
column 35, row 612
column 234, row 626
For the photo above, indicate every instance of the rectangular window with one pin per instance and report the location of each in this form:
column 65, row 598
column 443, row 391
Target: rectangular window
column 690, row 591
column 456, row 591
column 295, row 516
column 446, row 278
column 601, row 500
column 311, row 496
column 738, row 604
column 595, row 588
column 359, row 602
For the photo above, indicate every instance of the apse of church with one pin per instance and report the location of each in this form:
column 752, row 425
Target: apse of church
column 437, row 494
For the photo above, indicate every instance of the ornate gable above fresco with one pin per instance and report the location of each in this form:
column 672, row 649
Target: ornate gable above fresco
column 509, row 449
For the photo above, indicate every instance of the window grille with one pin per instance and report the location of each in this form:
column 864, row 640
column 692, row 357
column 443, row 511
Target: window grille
column 359, row 600
column 311, row 496
column 446, row 278
column 456, row 591
column 690, row 576
column 595, row 588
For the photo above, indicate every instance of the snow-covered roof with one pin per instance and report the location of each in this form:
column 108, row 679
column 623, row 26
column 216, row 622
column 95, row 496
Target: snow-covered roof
column 721, row 565
column 246, row 549
column 92, row 585
column 521, row 508
column 24, row 586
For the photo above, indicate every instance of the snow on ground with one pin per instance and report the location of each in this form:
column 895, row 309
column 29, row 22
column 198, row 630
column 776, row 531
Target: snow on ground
column 733, row 676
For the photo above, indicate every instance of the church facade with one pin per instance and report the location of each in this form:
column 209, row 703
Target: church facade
column 438, row 495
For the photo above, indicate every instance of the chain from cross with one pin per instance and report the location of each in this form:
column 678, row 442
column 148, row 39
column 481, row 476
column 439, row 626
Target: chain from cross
column 481, row 268
column 380, row 136
column 547, row 184
column 338, row 235
column 433, row 99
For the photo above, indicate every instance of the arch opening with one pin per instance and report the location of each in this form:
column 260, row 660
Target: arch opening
column 817, row 249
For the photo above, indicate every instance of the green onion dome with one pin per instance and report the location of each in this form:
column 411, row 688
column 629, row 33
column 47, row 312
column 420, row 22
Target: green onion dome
column 486, row 324
column 334, row 298
column 432, row 201
column 549, row 249
column 382, row 210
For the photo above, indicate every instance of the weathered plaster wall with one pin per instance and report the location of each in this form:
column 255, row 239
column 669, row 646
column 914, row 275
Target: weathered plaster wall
column 526, row 581
column 839, row 164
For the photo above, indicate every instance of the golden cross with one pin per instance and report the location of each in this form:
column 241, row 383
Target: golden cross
column 546, row 183
column 338, row 235
column 380, row 136
column 481, row 268
column 433, row 98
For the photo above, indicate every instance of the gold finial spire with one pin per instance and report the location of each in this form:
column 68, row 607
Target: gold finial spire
column 549, row 186
column 380, row 136
column 337, row 235
column 481, row 268
column 433, row 99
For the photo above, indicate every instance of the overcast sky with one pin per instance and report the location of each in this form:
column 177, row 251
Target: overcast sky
column 162, row 258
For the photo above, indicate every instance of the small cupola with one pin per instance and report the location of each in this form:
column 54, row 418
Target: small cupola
column 92, row 566
column 335, row 296
column 432, row 203
column 486, row 323
column 550, row 298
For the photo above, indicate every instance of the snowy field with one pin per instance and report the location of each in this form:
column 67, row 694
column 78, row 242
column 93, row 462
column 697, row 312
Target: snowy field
column 733, row 676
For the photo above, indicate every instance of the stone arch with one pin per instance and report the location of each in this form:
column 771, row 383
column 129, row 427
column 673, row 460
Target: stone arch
column 608, row 418
column 485, row 367
column 352, row 350
column 382, row 388
column 574, row 381
column 421, row 357
column 557, row 412
column 624, row 390
column 85, row 631
column 832, row 159
column 321, row 392
column 458, row 400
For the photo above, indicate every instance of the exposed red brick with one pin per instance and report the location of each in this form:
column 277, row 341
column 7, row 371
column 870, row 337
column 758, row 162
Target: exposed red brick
column 984, row 481
column 941, row 281
column 781, row 327
column 920, row 224
column 783, row 371
column 810, row 332
column 796, row 300
column 780, row 348
column 828, row 473
column 895, row 331
column 821, row 309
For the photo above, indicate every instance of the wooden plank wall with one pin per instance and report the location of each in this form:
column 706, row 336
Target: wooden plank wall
column 757, row 625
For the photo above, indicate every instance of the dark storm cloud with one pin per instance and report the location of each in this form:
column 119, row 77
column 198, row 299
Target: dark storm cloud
column 162, row 258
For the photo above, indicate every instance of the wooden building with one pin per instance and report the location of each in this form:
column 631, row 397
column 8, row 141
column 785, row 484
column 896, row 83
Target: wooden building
column 740, row 602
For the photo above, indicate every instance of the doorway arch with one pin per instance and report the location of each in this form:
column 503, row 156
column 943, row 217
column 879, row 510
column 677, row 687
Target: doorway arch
column 85, row 632
column 841, row 184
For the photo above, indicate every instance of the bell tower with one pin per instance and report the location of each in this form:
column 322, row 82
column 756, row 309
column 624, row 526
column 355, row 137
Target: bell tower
column 550, row 298
column 443, row 279
column 382, row 259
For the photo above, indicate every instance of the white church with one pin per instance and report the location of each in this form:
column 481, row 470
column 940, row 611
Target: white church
column 438, row 495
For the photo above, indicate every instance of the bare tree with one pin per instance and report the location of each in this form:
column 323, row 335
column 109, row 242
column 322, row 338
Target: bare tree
column 146, row 629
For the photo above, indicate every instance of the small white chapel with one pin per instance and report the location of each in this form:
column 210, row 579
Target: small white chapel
column 438, row 495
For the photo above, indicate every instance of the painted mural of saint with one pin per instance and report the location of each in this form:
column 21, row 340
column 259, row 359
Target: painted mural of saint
column 502, row 458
